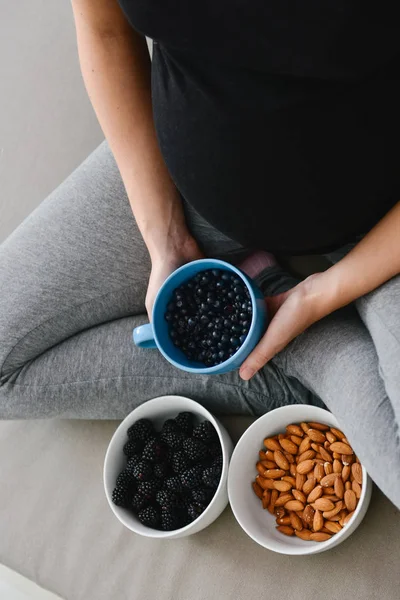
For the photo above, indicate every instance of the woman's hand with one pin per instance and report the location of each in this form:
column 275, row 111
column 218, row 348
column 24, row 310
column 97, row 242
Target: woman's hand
column 291, row 313
column 164, row 264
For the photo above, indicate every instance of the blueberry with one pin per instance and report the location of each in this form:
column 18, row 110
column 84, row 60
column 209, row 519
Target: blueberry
column 224, row 339
column 216, row 335
column 221, row 355
column 231, row 295
column 236, row 329
column 238, row 289
column 191, row 322
column 234, row 341
column 199, row 291
column 242, row 338
column 225, row 276
column 204, row 320
column 203, row 307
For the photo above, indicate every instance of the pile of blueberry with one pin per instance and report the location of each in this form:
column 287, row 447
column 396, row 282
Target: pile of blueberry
column 171, row 476
column 209, row 316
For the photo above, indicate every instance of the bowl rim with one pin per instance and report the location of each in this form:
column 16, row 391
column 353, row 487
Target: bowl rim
column 317, row 546
column 242, row 348
column 156, row 533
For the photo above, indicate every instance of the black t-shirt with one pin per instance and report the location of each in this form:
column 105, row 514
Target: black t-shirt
column 278, row 121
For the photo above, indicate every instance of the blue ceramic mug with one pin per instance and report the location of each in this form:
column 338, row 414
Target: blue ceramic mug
column 155, row 334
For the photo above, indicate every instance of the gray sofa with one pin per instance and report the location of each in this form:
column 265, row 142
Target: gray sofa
column 55, row 525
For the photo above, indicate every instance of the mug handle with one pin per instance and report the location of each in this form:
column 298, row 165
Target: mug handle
column 143, row 336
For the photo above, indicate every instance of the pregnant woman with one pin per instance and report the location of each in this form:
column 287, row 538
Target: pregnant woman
column 260, row 129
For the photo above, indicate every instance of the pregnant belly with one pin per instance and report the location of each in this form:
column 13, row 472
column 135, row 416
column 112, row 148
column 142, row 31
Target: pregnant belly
column 292, row 173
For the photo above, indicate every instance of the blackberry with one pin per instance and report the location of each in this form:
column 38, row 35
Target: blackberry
column 202, row 496
column 211, row 477
column 185, row 422
column 149, row 489
column 155, row 451
column 141, row 430
column 126, row 479
column 138, row 501
column 169, row 425
column 167, row 500
column 150, row 517
column 218, row 462
column 161, row 470
column 195, row 449
column 191, row 478
column 205, row 432
column 172, row 519
column 215, row 449
column 173, row 484
column 195, row 510
column 133, row 446
column 132, row 462
column 180, row 462
column 173, row 439
column 143, row 471
column 121, row 495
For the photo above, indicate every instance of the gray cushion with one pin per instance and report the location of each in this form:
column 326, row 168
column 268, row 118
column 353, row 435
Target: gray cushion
column 57, row 529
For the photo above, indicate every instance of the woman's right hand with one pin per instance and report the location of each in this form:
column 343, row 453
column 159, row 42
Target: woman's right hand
column 164, row 264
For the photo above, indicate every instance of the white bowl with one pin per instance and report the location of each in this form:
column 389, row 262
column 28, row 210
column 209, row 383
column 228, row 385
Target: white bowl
column 158, row 410
column 258, row 523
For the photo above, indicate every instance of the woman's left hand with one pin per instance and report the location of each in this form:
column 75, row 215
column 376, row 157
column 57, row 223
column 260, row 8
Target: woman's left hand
column 290, row 314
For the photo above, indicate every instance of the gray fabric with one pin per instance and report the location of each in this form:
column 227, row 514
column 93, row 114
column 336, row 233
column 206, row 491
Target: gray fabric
column 74, row 278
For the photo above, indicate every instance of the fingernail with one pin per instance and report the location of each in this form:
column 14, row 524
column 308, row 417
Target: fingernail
column 246, row 373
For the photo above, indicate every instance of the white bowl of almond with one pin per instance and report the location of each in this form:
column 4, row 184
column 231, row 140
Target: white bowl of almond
column 295, row 484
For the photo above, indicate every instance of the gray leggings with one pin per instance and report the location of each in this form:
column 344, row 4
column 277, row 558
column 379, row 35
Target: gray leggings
column 73, row 282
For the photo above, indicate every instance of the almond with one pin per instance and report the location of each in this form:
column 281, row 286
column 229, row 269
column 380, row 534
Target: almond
column 282, row 486
column 325, row 454
column 329, row 491
column 289, row 446
column 333, row 527
column 294, row 505
column 257, row 489
column 280, row 511
column 283, row 520
column 281, row 460
column 308, row 514
column 339, row 487
column 293, row 470
column 305, row 467
column 316, row 436
column 350, row 500
column 323, row 504
column 262, row 455
column 269, row 455
column 272, row 444
column 337, row 433
column 315, row 494
column 346, row 473
column 294, row 430
column 265, row 502
column 328, row 514
column 299, row 496
column 296, row 439
column 320, row 537
column 319, row 426
column 304, row 534
column 356, row 487
column 274, row 473
column 319, row 472
column 318, row 521
column 357, row 472
column 283, row 498
column 270, row 509
column 260, row 469
column 268, row 464
column 285, row 529
column 305, row 445
column 337, row 456
column 335, row 518
column 291, row 480
column 337, row 466
column 329, row 480
column 305, row 427
column 289, row 457
column 315, row 446
column 348, row 518
column 309, row 485
column 330, row 437
column 347, row 486
column 307, row 455
column 347, row 459
column 341, row 448
column 267, row 494
column 296, row 522
column 265, row 484
column 328, row 468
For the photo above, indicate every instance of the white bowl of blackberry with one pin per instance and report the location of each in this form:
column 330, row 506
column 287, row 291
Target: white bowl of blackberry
column 166, row 468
